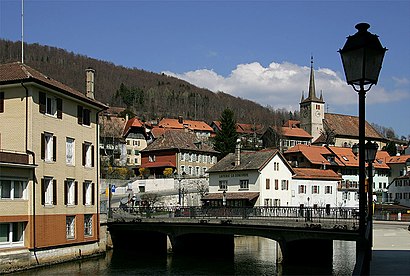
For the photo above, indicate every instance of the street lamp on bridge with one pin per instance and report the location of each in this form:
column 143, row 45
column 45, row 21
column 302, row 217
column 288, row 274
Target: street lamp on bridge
column 362, row 57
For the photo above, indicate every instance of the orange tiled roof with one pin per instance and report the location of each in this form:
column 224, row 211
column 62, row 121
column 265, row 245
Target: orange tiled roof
column 291, row 123
column 315, row 154
column 398, row 159
column 133, row 122
column 308, row 173
column 18, row 72
column 193, row 125
column 295, row 132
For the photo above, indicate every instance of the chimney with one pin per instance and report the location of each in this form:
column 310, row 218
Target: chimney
column 89, row 78
column 238, row 152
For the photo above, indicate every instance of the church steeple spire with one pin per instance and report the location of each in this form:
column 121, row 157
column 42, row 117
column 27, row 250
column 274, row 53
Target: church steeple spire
column 311, row 97
column 312, row 89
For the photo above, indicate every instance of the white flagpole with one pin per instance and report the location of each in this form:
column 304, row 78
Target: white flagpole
column 22, row 31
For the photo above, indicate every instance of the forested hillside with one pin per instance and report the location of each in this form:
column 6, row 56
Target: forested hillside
column 147, row 94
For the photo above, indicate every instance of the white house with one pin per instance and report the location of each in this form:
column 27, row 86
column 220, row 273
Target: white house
column 399, row 190
column 250, row 179
column 315, row 188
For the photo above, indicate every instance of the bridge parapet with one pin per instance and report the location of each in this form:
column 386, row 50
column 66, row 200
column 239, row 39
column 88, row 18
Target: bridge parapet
column 316, row 218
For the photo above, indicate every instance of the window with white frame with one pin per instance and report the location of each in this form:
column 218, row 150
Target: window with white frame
column 315, row 189
column 223, row 185
column 88, row 155
column 70, row 227
column 70, row 150
column 88, row 193
column 182, row 156
column 48, row 147
column 13, row 189
column 182, row 169
column 244, row 184
column 197, row 171
column 190, row 170
column 151, row 158
column 48, row 191
column 50, row 105
column 204, row 170
column 328, row 189
column 12, row 234
column 70, row 193
column 88, row 225
column 302, row 189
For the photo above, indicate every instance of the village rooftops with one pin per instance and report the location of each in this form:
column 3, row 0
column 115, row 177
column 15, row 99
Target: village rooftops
column 181, row 124
column 179, row 139
column 243, row 128
column 132, row 123
column 17, row 73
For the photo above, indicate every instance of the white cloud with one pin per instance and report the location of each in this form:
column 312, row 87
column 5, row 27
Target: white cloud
column 280, row 85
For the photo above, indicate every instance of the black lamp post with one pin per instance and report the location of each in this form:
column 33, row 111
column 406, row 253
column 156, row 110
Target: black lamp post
column 362, row 57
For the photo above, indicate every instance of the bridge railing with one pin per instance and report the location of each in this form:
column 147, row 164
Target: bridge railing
column 305, row 214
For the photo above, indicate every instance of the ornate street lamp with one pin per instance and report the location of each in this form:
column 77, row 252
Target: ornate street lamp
column 224, row 198
column 370, row 151
column 362, row 57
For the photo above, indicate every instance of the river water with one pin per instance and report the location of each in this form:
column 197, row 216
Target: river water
column 253, row 256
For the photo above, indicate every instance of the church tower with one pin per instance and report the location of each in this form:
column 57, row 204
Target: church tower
column 312, row 111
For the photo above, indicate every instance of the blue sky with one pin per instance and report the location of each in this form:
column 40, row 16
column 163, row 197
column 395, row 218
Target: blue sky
column 258, row 50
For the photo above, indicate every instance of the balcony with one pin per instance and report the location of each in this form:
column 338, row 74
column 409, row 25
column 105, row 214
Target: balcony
column 13, row 157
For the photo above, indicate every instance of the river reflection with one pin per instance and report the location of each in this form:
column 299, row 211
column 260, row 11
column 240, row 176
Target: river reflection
column 253, row 256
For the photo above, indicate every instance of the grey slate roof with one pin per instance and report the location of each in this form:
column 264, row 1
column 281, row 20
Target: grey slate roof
column 249, row 161
column 179, row 139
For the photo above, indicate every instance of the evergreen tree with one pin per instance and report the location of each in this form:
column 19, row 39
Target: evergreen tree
column 391, row 148
column 225, row 139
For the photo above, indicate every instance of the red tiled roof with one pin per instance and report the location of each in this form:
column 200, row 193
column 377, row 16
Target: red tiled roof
column 308, row 173
column 295, row 132
column 398, row 159
column 291, row 123
column 158, row 131
column 315, row 154
column 193, row 125
column 133, row 122
column 17, row 72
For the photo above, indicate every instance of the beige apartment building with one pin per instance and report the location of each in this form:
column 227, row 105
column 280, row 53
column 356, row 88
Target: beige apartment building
column 48, row 163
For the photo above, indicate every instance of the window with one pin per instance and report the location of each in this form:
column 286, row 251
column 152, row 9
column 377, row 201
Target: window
column 204, row 170
column 88, row 225
column 136, row 152
column 244, row 184
column 223, row 185
column 48, row 147
column 302, row 189
column 190, row 170
column 50, row 105
column 83, row 116
column 48, row 191
column 315, row 189
column 88, row 155
column 276, row 184
column 135, row 160
column 285, row 184
column 12, row 234
column 70, row 149
column 13, row 189
column 88, row 193
column 267, row 184
column 151, row 158
column 197, row 170
column 328, row 189
column 1, row 102
column 70, row 227
column 182, row 169
column 70, row 192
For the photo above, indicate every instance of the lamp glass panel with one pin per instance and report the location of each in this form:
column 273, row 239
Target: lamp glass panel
column 353, row 65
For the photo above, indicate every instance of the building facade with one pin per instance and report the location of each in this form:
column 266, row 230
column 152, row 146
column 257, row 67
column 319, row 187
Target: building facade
column 49, row 168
